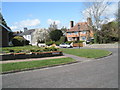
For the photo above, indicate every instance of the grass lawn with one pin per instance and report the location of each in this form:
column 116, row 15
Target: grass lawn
column 88, row 53
column 34, row 64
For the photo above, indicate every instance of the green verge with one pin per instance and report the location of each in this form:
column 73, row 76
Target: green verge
column 88, row 53
column 35, row 64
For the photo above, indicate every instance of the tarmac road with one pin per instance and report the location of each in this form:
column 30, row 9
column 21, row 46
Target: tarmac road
column 98, row 73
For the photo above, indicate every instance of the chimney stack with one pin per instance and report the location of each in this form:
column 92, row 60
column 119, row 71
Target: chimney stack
column 89, row 21
column 25, row 29
column 71, row 24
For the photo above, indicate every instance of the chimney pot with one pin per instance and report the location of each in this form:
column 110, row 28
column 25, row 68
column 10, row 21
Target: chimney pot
column 25, row 29
column 71, row 24
column 89, row 21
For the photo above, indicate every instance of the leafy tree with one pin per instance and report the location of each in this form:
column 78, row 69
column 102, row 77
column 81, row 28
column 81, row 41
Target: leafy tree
column 56, row 35
column 111, row 31
column 108, row 33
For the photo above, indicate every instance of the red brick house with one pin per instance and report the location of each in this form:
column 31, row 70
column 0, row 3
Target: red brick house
column 81, row 31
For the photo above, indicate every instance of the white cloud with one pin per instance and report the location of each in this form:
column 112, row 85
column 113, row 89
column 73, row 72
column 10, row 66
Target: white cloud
column 25, row 23
column 13, row 27
column 50, row 21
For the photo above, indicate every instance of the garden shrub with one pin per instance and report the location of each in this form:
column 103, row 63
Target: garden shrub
column 63, row 39
column 78, row 41
column 53, row 48
column 58, row 43
column 32, row 50
column 50, row 49
column 68, row 42
column 11, row 50
column 50, row 43
column 35, row 50
column 46, row 49
column 19, row 41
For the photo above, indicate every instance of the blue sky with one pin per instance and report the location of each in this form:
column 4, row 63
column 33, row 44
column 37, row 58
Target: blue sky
column 41, row 14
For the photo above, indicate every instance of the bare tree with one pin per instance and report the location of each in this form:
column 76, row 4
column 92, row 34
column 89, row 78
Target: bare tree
column 117, row 13
column 95, row 11
column 40, row 35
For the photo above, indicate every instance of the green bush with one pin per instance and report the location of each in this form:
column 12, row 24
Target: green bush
column 68, row 42
column 50, row 49
column 63, row 39
column 11, row 50
column 78, row 41
column 58, row 43
column 19, row 41
column 50, row 43
column 53, row 48
column 35, row 50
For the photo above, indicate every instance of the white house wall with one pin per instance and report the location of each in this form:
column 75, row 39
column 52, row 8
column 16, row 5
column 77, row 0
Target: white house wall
column 28, row 37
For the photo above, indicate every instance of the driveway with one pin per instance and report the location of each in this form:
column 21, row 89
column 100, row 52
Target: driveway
column 96, row 73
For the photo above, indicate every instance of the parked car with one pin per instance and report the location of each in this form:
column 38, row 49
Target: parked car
column 64, row 45
column 42, row 45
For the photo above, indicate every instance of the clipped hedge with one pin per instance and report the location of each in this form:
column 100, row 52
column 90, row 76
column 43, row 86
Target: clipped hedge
column 19, row 41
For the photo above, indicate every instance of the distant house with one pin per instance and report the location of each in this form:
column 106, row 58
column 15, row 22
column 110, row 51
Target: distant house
column 81, row 31
column 4, row 33
column 27, row 34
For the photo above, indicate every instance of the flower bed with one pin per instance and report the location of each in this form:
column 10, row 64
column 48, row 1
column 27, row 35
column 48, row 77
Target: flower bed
column 31, row 55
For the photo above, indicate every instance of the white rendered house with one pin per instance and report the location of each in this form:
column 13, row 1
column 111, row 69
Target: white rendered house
column 27, row 34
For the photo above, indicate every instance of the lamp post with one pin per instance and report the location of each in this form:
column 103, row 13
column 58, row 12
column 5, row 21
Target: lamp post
column 79, row 34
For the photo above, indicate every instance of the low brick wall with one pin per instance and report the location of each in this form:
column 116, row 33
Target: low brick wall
column 31, row 55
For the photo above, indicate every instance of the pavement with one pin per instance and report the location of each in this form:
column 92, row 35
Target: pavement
column 80, row 59
column 102, row 45
column 97, row 73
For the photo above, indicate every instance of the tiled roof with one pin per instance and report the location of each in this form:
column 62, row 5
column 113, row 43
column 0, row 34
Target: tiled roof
column 83, row 26
column 28, row 32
